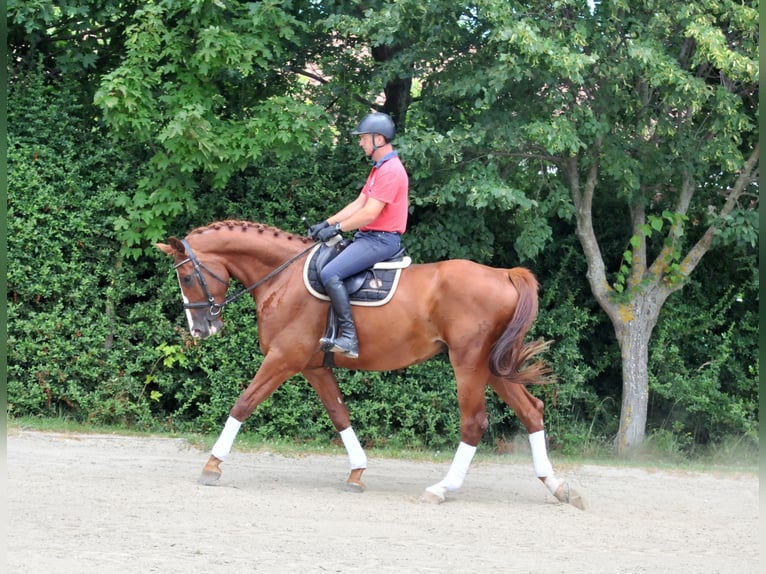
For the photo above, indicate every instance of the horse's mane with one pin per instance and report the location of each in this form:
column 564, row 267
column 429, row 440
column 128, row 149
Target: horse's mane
column 232, row 224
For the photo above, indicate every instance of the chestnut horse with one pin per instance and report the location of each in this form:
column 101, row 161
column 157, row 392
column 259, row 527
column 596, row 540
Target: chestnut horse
column 477, row 314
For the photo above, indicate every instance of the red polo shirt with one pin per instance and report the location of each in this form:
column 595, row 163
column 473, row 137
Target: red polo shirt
column 388, row 182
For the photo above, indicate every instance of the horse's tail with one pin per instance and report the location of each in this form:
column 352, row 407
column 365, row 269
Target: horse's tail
column 509, row 353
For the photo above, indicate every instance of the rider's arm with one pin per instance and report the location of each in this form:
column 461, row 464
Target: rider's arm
column 358, row 213
column 344, row 213
column 367, row 213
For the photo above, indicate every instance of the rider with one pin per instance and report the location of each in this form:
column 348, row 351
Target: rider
column 379, row 214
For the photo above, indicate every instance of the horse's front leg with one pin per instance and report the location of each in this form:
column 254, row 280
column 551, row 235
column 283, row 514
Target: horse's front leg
column 473, row 423
column 273, row 372
column 325, row 384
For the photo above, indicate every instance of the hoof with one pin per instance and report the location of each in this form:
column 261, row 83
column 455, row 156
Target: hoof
column 576, row 500
column 569, row 495
column 430, row 498
column 357, row 487
column 354, row 481
column 208, row 478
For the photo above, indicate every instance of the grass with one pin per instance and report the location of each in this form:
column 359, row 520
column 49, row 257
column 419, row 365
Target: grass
column 737, row 454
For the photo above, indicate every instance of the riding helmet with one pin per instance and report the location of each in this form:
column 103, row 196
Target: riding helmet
column 376, row 123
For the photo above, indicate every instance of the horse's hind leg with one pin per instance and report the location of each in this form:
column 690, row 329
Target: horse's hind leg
column 326, row 386
column 529, row 409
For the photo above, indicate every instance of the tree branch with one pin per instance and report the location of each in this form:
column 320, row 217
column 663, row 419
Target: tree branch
column 583, row 200
column 747, row 175
column 676, row 230
column 638, row 262
column 323, row 80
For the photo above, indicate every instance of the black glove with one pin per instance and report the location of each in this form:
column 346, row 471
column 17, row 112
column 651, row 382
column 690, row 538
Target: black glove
column 316, row 228
column 329, row 232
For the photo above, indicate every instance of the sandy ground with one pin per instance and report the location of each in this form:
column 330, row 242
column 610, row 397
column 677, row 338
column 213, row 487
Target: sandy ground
column 109, row 504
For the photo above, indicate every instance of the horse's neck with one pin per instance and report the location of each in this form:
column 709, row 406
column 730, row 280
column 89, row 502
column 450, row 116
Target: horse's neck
column 251, row 256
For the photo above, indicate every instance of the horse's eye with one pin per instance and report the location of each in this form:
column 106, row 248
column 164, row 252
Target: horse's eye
column 186, row 279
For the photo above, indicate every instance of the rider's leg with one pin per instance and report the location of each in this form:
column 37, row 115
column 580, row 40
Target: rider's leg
column 347, row 344
column 367, row 249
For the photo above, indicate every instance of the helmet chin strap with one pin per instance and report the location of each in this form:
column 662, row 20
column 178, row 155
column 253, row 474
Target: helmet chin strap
column 375, row 147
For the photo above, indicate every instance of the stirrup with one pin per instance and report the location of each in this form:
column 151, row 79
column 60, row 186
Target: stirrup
column 332, row 346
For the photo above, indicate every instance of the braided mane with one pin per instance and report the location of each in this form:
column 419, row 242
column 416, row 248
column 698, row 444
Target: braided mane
column 232, row 224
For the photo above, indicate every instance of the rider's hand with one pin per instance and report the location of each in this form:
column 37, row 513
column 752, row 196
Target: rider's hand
column 329, row 232
column 316, row 228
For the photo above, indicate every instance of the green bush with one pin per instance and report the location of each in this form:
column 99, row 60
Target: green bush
column 63, row 273
column 704, row 364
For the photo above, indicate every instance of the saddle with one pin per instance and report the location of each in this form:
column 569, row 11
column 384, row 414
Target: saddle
column 370, row 288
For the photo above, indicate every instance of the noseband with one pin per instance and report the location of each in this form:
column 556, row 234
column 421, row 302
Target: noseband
column 215, row 308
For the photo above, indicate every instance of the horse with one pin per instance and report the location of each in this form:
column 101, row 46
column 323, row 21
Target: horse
column 478, row 315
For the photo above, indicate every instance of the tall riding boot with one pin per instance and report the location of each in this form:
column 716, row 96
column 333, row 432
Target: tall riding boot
column 346, row 343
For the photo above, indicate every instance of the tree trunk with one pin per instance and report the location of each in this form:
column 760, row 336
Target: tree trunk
column 397, row 90
column 633, row 326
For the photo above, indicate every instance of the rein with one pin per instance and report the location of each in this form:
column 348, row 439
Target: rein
column 216, row 308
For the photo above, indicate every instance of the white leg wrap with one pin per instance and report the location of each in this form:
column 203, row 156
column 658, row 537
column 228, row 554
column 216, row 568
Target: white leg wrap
column 356, row 456
column 543, row 466
column 457, row 471
column 222, row 446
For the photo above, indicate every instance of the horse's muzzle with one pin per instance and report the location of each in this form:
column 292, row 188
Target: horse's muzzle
column 206, row 327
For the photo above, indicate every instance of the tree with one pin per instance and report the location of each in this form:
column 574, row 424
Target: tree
column 208, row 88
column 632, row 113
column 69, row 38
column 672, row 102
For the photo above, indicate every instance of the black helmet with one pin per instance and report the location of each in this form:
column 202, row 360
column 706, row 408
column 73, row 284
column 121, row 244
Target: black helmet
column 377, row 123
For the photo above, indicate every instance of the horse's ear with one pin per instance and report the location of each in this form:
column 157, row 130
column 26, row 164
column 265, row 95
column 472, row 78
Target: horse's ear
column 175, row 247
column 166, row 249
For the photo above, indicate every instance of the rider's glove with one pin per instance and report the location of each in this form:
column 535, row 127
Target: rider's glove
column 329, row 232
column 316, row 228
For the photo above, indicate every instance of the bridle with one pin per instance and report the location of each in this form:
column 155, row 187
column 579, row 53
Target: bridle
column 215, row 308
